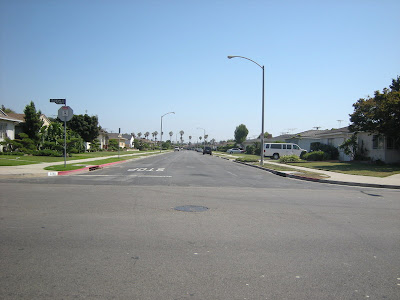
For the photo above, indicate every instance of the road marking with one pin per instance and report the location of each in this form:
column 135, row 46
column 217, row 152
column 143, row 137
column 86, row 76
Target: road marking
column 232, row 174
column 142, row 176
column 146, row 170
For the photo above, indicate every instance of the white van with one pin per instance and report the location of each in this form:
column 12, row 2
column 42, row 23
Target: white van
column 276, row 150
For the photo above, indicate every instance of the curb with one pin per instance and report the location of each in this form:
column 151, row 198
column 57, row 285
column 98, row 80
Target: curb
column 91, row 168
column 373, row 185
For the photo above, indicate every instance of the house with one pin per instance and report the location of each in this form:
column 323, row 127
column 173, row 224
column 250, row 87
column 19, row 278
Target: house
column 7, row 127
column 336, row 137
column 103, row 139
column 373, row 146
column 129, row 141
column 378, row 147
column 117, row 136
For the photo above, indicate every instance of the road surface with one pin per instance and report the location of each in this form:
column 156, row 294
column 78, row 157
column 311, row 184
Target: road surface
column 116, row 233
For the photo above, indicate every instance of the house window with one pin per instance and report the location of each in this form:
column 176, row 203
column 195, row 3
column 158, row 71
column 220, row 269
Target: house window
column 389, row 143
column 377, row 142
column 330, row 142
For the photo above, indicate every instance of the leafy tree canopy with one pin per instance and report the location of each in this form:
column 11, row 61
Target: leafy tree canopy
column 379, row 114
column 6, row 110
column 87, row 127
column 241, row 133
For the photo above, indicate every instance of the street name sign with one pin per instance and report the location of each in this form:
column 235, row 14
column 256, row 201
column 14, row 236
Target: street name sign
column 58, row 101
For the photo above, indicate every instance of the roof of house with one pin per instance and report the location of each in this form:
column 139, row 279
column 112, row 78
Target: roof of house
column 20, row 117
column 115, row 136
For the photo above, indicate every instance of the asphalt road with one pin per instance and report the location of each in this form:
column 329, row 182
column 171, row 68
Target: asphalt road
column 115, row 234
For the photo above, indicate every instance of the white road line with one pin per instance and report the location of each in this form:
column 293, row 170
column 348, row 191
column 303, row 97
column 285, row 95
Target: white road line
column 149, row 176
column 232, row 174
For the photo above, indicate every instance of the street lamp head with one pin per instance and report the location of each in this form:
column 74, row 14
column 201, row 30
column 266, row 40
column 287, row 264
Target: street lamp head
column 230, row 56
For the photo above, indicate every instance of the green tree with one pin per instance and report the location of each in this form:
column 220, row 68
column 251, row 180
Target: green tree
column 87, row 127
column 7, row 110
column 380, row 114
column 33, row 123
column 241, row 133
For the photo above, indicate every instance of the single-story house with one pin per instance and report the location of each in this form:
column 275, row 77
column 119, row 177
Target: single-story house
column 378, row 147
column 375, row 147
column 117, row 136
column 129, row 140
column 7, row 127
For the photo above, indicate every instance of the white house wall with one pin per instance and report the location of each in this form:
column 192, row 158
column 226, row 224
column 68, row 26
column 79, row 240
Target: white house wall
column 7, row 129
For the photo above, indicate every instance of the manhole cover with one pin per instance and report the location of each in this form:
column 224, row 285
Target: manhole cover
column 191, row 208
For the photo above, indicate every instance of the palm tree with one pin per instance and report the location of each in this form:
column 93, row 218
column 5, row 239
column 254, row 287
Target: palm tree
column 155, row 134
column 205, row 138
column 200, row 139
column 139, row 134
column 190, row 139
column 181, row 133
column 146, row 135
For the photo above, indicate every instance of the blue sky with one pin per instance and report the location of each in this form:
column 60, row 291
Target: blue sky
column 130, row 62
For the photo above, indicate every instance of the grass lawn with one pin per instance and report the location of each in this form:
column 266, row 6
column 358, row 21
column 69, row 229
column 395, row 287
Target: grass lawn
column 82, row 165
column 354, row 168
column 14, row 160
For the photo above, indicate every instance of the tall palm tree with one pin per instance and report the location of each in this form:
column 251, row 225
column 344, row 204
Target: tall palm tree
column 146, row 135
column 181, row 133
column 200, row 139
column 139, row 134
column 170, row 136
column 190, row 139
column 155, row 134
column 205, row 138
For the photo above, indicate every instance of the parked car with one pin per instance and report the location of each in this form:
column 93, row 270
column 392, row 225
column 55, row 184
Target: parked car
column 235, row 150
column 176, row 149
column 207, row 150
column 276, row 150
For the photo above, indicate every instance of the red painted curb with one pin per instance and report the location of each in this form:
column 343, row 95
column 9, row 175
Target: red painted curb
column 61, row 173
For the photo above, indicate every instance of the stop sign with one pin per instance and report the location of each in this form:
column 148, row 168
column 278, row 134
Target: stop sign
column 65, row 113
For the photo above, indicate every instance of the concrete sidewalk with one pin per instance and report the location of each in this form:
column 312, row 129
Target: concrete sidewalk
column 331, row 177
column 341, row 178
column 37, row 170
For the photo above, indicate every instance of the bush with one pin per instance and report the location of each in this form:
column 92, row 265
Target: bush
column 316, row 156
column 16, row 153
column 289, row 158
column 330, row 150
column 48, row 152
column 250, row 150
column 246, row 159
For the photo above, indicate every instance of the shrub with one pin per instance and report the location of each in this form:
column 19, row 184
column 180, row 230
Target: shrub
column 47, row 152
column 289, row 158
column 250, row 150
column 246, row 159
column 316, row 156
column 330, row 150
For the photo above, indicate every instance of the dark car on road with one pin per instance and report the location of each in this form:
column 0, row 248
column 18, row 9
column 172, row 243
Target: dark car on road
column 207, row 150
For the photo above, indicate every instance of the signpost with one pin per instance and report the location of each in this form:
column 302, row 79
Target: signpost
column 65, row 113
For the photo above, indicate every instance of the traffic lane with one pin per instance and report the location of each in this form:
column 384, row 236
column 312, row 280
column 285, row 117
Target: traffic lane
column 184, row 168
column 77, row 241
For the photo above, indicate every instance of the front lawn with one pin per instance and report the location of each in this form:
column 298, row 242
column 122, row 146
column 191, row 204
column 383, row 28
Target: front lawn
column 353, row 168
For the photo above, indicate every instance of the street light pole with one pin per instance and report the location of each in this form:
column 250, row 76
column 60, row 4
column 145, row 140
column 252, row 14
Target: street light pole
column 171, row 112
column 262, row 114
column 203, row 136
